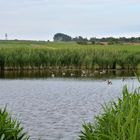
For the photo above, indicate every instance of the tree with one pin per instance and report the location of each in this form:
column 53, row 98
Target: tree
column 62, row 37
column 93, row 40
column 81, row 40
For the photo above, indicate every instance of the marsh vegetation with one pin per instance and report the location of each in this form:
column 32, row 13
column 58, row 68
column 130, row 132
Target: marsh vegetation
column 42, row 55
column 119, row 121
column 10, row 129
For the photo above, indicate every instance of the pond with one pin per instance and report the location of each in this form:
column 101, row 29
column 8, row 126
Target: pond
column 54, row 108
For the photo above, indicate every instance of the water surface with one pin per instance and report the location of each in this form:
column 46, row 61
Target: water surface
column 55, row 108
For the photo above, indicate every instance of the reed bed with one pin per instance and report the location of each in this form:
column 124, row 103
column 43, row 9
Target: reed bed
column 10, row 129
column 120, row 121
column 41, row 55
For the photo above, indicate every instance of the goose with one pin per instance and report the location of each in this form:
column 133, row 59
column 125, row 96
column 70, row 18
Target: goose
column 83, row 72
column 72, row 74
column 63, row 73
column 123, row 79
column 102, row 72
column 83, row 75
column 53, row 75
column 109, row 82
column 96, row 71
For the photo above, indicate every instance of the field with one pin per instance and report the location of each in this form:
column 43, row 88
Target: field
column 44, row 55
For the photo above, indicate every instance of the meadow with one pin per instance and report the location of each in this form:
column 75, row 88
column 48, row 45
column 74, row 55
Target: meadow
column 43, row 55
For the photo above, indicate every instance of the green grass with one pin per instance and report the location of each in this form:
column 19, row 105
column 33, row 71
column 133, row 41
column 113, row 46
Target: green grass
column 10, row 129
column 120, row 121
column 38, row 55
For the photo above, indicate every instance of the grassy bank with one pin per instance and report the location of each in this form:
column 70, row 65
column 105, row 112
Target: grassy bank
column 44, row 55
column 120, row 121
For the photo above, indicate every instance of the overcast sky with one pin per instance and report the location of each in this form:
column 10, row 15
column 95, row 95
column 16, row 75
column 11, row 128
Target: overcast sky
column 41, row 19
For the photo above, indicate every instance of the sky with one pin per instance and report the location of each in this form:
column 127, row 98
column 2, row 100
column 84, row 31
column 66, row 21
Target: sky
column 41, row 19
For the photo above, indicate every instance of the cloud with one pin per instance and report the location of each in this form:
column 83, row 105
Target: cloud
column 94, row 2
column 43, row 18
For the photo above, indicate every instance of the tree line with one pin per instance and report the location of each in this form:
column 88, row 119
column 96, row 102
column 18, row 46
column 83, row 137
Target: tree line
column 94, row 40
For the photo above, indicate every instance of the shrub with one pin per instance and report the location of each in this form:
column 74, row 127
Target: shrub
column 82, row 42
column 10, row 129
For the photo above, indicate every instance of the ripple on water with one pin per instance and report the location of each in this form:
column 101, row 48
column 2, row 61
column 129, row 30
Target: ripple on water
column 55, row 109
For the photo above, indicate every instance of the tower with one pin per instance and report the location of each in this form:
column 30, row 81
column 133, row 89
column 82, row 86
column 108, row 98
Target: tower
column 6, row 36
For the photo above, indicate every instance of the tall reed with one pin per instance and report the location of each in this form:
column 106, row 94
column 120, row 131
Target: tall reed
column 70, row 55
column 120, row 121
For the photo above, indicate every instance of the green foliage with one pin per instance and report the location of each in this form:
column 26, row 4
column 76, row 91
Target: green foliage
column 10, row 129
column 109, row 40
column 62, row 37
column 37, row 55
column 83, row 42
column 120, row 121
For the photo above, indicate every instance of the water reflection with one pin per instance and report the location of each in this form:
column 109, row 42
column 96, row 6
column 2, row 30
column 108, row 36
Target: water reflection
column 66, row 73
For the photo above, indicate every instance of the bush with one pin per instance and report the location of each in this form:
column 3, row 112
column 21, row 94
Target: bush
column 82, row 42
column 120, row 121
column 93, row 42
column 10, row 129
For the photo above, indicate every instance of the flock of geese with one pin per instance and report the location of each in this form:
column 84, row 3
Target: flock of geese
column 84, row 74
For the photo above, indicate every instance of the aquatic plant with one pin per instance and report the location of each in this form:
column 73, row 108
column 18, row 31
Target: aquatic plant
column 120, row 120
column 10, row 129
column 40, row 55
